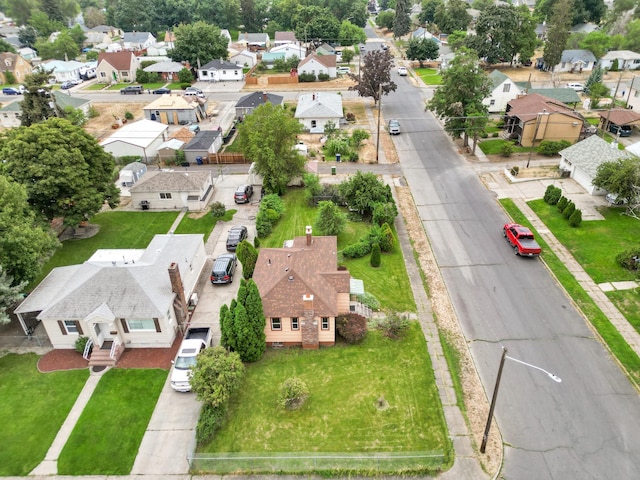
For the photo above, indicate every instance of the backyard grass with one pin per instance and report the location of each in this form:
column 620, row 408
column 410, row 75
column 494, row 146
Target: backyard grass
column 378, row 396
column 33, row 408
column 389, row 283
column 117, row 230
column 429, row 76
column 202, row 223
column 612, row 338
column 106, row 439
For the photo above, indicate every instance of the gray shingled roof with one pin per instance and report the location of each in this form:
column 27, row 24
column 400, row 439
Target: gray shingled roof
column 220, row 65
column 256, row 99
column 591, row 152
column 319, row 105
column 157, row 181
column 203, row 140
column 572, row 56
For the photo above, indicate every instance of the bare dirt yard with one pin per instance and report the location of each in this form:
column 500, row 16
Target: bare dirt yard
column 108, row 114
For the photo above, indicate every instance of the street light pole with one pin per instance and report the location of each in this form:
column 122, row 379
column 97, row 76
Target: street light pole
column 553, row 377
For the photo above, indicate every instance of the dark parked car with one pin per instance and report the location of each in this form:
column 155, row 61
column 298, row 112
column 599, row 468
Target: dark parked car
column 236, row 235
column 10, row 91
column 625, row 130
column 223, row 269
column 132, row 89
column 243, row 194
column 162, row 91
column 67, row 85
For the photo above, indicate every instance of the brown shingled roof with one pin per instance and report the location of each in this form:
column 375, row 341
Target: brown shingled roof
column 621, row 116
column 284, row 275
column 118, row 60
column 529, row 106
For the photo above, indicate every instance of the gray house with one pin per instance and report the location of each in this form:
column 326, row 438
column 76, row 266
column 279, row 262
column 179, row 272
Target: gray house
column 205, row 143
column 249, row 103
column 160, row 190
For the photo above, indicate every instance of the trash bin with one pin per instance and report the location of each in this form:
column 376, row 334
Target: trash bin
column 144, row 204
column 199, row 160
column 333, row 170
column 337, row 157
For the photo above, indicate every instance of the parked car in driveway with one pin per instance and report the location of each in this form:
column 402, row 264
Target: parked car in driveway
column 162, row 91
column 67, row 85
column 621, row 130
column 223, row 269
column 236, row 235
column 615, row 199
column 243, row 194
column 343, row 70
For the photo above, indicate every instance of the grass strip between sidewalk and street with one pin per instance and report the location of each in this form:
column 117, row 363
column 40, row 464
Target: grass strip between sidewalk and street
column 614, row 341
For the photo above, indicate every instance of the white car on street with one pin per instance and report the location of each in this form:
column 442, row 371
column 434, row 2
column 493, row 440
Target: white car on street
column 402, row 71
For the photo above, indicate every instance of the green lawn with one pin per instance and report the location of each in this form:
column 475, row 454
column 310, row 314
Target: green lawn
column 429, row 76
column 389, row 283
column 106, row 439
column 494, row 146
column 612, row 338
column 341, row 413
column 202, row 224
column 33, row 408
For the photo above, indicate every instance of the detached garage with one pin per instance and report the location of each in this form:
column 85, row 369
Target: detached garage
column 140, row 139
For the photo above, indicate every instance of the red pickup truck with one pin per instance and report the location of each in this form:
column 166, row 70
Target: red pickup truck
column 521, row 239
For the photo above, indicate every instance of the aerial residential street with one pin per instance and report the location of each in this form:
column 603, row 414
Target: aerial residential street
column 583, row 427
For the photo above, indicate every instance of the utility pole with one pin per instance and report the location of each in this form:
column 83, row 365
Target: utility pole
column 613, row 101
column 485, row 436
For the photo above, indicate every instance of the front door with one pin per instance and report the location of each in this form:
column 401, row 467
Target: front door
column 103, row 333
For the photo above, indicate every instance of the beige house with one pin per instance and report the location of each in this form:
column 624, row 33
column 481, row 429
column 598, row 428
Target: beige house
column 176, row 110
column 160, row 190
column 534, row 118
column 303, row 291
column 117, row 67
column 133, row 298
column 15, row 64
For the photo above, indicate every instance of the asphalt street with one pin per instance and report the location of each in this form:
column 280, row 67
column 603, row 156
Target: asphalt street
column 583, row 427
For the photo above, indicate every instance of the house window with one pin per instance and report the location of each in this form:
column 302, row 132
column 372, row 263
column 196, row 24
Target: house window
column 165, row 196
column 125, row 74
column 492, row 103
column 204, row 73
column 224, row 72
column 506, row 87
column 295, row 324
column 325, row 323
column 235, row 73
column 141, row 324
column 314, row 124
column 276, row 324
column 70, row 326
column 103, row 74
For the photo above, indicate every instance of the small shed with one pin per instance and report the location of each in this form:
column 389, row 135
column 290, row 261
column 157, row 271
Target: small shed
column 130, row 174
column 205, row 142
column 168, row 150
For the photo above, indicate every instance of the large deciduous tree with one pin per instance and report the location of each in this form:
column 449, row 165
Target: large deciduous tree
column 25, row 242
column 216, row 376
column 10, row 294
column 131, row 16
column 38, row 104
column 374, row 78
column 464, row 87
column 315, row 24
column 558, row 33
column 422, row 49
column 198, row 44
column 621, row 177
column 427, row 15
column 351, row 34
column 223, row 13
column 267, row 137
column 64, row 47
column 452, row 16
column 401, row 22
column 363, row 191
column 64, row 169
column 583, row 11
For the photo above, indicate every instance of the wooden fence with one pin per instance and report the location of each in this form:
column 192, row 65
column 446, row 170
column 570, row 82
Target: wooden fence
column 282, row 80
column 226, row 158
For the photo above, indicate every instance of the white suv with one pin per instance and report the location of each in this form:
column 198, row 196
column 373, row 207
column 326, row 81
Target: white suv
column 578, row 87
column 193, row 92
column 343, row 70
column 402, row 71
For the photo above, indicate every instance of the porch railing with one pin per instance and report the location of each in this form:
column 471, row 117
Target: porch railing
column 87, row 349
column 114, row 349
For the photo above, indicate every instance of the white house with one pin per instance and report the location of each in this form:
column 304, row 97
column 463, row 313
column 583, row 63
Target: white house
column 63, row 71
column 141, row 138
column 291, row 50
column 503, row 91
column 220, row 71
column 314, row 110
column 575, row 61
column 254, row 41
column 138, row 40
column 633, row 97
column 169, row 190
column 244, row 59
column 133, row 297
column 316, row 64
column 627, row 60
column 582, row 159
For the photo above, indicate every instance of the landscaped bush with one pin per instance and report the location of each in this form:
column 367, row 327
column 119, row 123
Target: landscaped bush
column 81, row 343
column 210, row 419
column 273, row 202
column 337, row 145
column 562, row 203
column 506, row 149
column 576, row 218
column 370, row 301
column 263, row 225
column 375, row 256
column 384, row 213
column 351, row 117
column 568, row 210
column 392, row 325
column 386, row 239
column 627, row 258
column 483, row 134
column 352, row 327
column 551, row 147
column 323, row 77
column 307, row 77
column 293, row 393
column 552, row 194
column 358, row 136
column 356, row 250
column 515, row 171
column 218, row 209
column 495, row 134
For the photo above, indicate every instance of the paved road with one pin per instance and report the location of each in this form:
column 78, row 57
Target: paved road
column 584, row 427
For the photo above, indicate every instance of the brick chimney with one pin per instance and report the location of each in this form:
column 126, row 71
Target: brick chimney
column 309, row 326
column 307, row 232
column 264, row 97
column 180, row 302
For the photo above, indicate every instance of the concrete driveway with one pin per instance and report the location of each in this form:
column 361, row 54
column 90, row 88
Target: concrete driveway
column 170, row 437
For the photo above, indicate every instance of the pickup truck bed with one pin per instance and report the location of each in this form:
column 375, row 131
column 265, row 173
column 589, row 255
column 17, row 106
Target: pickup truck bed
column 198, row 333
column 521, row 239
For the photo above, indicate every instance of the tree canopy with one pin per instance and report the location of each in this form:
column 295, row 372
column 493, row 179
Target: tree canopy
column 65, row 171
column 25, row 242
column 267, row 137
column 401, row 22
column 9, row 295
column 558, row 33
column 363, row 191
column 216, row 376
column 464, row 87
column 374, row 77
column 422, row 49
column 37, row 104
column 621, row 177
column 452, row 16
column 351, row 34
column 198, row 44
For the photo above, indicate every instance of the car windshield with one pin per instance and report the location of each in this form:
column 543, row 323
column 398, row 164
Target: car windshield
column 393, row 123
column 184, row 363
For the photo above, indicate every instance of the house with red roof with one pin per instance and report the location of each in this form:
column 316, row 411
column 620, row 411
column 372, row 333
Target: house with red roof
column 317, row 64
column 117, row 67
